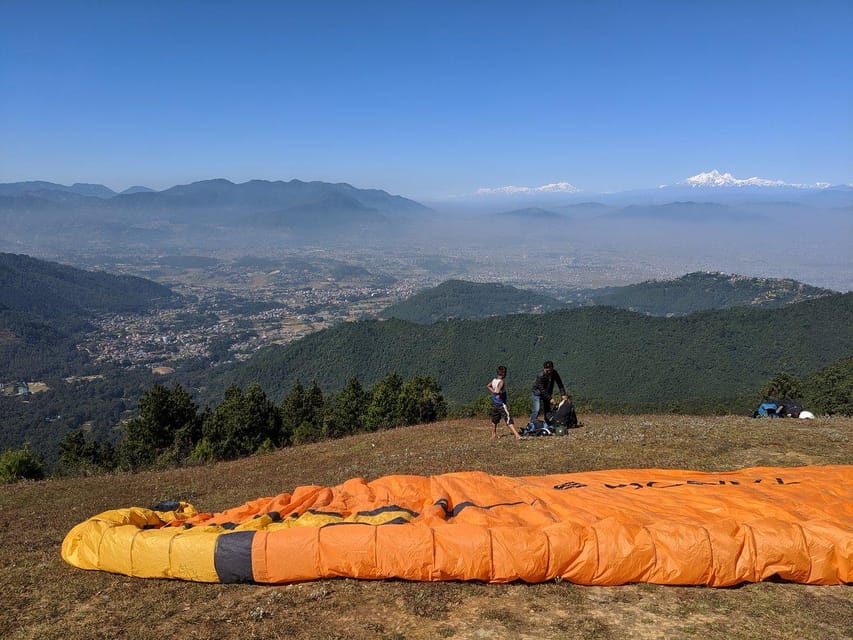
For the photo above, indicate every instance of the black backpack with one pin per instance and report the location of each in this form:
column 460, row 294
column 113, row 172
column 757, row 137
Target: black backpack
column 788, row 407
column 565, row 415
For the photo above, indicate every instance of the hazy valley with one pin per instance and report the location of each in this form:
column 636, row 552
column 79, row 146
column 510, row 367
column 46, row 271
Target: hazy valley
column 260, row 265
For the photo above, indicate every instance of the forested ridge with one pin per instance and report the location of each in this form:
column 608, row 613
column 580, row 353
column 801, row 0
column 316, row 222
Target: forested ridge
column 698, row 291
column 711, row 362
column 45, row 305
column 44, row 308
column 50, row 290
column 603, row 353
column 611, row 359
column 471, row 300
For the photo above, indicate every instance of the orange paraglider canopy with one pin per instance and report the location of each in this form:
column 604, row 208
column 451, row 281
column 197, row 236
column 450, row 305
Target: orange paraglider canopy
column 600, row 527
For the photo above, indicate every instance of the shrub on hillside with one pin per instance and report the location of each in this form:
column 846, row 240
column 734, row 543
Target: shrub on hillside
column 830, row 390
column 79, row 455
column 782, row 385
column 20, row 464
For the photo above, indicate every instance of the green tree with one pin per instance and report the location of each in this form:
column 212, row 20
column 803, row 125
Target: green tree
column 20, row 464
column 265, row 417
column 311, row 427
column 830, row 390
column 383, row 408
column 315, row 403
column 79, row 455
column 239, row 425
column 782, row 385
column 344, row 415
column 294, row 411
column 167, row 419
column 421, row 401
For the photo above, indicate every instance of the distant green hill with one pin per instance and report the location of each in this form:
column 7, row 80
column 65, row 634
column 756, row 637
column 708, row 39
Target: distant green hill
column 50, row 290
column 461, row 299
column 43, row 304
column 693, row 292
column 700, row 291
column 606, row 355
column 43, row 308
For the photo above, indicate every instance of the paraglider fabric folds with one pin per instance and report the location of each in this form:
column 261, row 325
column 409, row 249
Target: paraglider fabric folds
column 599, row 527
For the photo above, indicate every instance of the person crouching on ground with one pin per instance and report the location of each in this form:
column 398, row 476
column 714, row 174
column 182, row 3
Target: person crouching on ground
column 500, row 410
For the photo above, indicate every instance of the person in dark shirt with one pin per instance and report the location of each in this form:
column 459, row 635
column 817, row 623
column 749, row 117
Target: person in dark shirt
column 543, row 390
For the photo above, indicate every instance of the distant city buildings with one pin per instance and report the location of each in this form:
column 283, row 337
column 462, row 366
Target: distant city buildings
column 232, row 310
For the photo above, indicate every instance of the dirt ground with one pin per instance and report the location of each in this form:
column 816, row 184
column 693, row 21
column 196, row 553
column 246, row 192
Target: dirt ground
column 44, row 597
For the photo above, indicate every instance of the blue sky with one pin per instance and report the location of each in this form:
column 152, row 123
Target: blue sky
column 426, row 99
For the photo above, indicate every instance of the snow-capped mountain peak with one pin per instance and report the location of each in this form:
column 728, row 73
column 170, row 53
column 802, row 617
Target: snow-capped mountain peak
column 716, row 179
column 554, row 187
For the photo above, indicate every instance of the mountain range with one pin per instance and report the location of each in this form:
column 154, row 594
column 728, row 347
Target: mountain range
column 716, row 179
column 253, row 192
column 280, row 195
column 705, row 179
column 297, row 208
column 799, row 232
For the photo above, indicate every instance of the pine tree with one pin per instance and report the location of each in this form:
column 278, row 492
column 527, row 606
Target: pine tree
column 311, row 427
column 782, row 385
column 79, row 455
column 383, row 407
column 20, row 464
column 421, row 401
column 164, row 418
column 345, row 414
column 830, row 390
column 294, row 412
column 240, row 424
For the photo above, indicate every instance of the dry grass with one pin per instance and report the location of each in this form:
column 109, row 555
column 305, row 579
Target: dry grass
column 44, row 598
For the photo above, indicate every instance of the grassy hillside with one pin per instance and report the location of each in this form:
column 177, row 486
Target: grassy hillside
column 602, row 353
column 468, row 300
column 44, row 598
